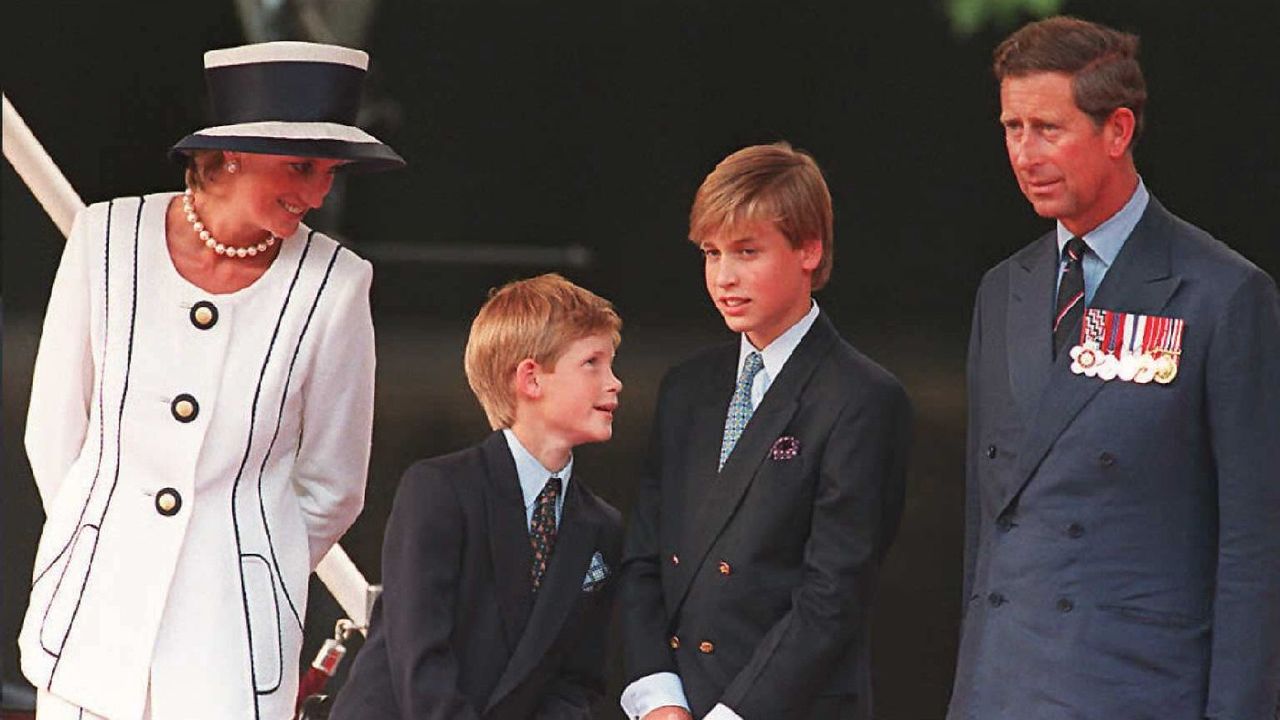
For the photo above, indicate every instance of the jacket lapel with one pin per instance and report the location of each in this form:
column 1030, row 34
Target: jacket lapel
column 706, row 430
column 1029, row 330
column 724, row 491
column 1141, row 281
column 575, row 543
column 512, row 554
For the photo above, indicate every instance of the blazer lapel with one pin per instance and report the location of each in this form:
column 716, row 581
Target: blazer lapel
column 702, row 445
column 724, row 491
column 512, row 554
column 1029, row 329
column 575, row 543
column 1141, row 281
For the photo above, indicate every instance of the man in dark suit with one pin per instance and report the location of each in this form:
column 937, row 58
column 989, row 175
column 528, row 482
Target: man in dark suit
column 1123, row 543
column 497, row 562
column 767, row 505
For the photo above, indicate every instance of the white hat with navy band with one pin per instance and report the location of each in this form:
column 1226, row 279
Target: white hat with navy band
column 289, row 98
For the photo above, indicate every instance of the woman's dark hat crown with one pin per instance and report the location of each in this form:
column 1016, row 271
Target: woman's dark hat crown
column 289, row 98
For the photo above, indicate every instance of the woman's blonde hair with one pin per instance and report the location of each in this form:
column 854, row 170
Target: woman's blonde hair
column 537, row 318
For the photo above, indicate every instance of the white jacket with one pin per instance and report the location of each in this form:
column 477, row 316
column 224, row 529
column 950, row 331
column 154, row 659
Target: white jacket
column 176, row 551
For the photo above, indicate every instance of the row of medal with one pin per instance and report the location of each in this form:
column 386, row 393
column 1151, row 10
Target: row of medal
column 1124, row 346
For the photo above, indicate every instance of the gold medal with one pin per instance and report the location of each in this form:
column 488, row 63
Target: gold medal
column 1166, row 369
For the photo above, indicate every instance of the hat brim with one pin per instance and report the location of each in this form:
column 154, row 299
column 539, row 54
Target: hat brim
column 362, row 157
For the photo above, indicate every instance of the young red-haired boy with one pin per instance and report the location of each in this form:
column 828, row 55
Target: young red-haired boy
column 497, row 564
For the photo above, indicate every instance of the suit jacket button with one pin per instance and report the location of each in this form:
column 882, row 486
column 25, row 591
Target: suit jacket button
column 1065, row 605
column 168, row 502
column 706, row 647
column 184, row 408
column 204, row 315
column 674, row 642
column 675, row 559
column 991, row 451
column 725, row 569
column 1106, row 460
column 1004, row 523
column 996, row 599
column 1075, row 530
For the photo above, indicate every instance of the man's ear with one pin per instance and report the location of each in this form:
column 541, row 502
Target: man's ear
column 810, row 253
column 1119, row 127
column 527, row 384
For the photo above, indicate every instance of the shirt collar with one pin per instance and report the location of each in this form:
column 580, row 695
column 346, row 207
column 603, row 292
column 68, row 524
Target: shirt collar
column 532, row 474
column 1107, row 239
column 776, row 353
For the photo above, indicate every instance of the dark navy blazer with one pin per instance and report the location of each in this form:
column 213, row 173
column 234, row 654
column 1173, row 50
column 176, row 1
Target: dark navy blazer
column 457, row 632
column 754, row 583
column 1122, row 556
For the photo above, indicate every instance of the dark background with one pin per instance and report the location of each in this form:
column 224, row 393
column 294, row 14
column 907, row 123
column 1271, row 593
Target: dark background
column 542, row 126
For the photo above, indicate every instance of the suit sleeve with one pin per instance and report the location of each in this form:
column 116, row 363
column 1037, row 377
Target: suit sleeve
column 642, row 607
column 333, row 458
column 1243, row 405
column 579, row 684
column 421, row 562
column 857, row 504
column 62, row 381
column 972, row 497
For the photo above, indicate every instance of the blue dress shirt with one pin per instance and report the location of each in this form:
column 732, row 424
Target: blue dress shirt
column 533, row 476
column 1104, row 242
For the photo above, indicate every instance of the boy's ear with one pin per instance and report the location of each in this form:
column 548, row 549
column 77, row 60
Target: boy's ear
column 810, row 253
column 527, row 379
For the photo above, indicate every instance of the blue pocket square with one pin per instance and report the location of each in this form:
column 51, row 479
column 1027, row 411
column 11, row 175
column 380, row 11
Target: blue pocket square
column 597, row 573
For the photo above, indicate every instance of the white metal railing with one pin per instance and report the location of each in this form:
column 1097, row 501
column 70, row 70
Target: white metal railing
column 50, row 187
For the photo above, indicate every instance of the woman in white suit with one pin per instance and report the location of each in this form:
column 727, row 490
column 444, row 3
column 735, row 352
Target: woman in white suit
column 201, row 409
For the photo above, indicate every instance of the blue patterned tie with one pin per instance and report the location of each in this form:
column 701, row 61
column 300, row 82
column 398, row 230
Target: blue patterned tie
column 740, row 406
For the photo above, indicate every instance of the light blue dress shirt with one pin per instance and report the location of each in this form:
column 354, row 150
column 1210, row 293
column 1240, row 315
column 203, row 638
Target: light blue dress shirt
column 1104, row 242
column 774, row 355
column 533, row 476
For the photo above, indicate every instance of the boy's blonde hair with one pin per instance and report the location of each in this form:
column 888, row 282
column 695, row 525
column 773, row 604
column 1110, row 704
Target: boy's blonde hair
column 537, row 318
column 772, row 182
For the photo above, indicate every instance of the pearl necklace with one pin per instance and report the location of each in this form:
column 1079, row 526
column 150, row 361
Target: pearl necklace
column 188, row 206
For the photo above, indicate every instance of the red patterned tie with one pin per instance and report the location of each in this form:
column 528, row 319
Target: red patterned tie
column 1066, row 321
column 542, row 530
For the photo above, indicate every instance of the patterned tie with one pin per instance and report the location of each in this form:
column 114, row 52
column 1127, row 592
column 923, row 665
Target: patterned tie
column 1066, row 322
column 740, row 406
column 542, row 531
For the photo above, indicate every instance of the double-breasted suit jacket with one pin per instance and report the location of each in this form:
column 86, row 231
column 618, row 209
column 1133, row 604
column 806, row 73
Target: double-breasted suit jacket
column 1123, row 548
column 196, row 455
column 753, row 583
column 458, row 632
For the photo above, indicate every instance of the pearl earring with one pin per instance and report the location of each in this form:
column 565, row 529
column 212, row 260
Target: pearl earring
column 233, row 167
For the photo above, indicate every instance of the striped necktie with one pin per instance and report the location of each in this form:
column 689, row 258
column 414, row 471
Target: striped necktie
column 740, row 406
column 1066, row 321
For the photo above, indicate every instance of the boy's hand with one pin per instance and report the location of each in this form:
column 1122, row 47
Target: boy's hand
column 668, row 712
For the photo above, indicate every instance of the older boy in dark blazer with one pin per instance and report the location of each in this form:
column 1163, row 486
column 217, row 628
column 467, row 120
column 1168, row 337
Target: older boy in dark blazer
column 767, row 505
column 497, row 562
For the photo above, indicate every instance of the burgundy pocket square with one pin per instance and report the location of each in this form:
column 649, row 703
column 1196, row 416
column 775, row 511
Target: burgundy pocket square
column 786, row 447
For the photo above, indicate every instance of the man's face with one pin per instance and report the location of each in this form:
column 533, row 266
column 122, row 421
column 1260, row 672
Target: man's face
column 758, row 281
column 1065, row 164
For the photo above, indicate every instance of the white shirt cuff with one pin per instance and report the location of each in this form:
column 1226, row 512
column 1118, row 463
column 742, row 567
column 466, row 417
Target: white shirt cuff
column 652, row 692
column 722, row 712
